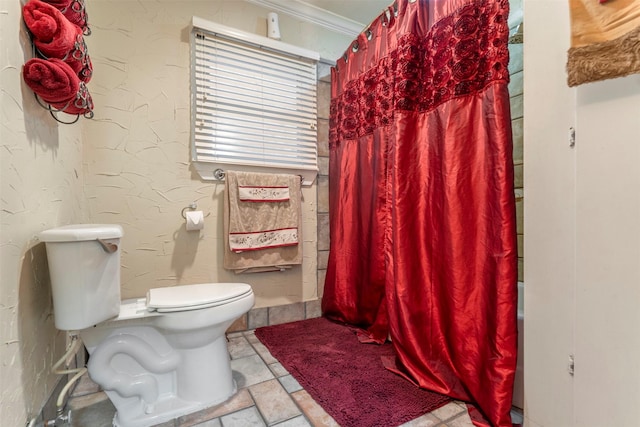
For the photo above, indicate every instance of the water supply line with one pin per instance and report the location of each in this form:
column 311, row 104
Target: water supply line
column 73, row 349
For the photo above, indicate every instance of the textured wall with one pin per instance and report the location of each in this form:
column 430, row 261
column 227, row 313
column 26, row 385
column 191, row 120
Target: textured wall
column 136, row 158
column 41, row 187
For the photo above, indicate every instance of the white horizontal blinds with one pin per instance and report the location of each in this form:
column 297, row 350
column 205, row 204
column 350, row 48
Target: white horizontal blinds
column 253, row 106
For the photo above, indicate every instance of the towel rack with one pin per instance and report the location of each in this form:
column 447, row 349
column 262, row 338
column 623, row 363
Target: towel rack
column 219, row 175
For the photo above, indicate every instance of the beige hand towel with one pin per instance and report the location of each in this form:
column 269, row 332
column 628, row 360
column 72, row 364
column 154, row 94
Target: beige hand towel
column 262, row 222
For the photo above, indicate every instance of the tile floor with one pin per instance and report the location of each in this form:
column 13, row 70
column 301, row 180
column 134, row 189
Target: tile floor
column 267, row 396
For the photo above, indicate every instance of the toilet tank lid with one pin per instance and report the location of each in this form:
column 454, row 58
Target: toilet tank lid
column 80, row 232
column 186, row 296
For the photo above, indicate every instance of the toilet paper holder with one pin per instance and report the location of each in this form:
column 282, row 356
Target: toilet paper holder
column 193, row 206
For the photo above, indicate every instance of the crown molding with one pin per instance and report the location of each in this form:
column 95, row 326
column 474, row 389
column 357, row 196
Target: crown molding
column 310, row 13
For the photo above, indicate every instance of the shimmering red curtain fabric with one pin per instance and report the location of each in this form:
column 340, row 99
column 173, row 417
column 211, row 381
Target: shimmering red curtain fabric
column 422, row 216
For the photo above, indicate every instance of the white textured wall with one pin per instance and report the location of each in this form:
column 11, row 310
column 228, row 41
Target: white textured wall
column 130, row 165
column 136, row 157
column 41, row 187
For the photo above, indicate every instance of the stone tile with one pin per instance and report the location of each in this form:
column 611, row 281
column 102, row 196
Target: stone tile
column 258, row 317
column 286, row 313
column 520, row 269
column 242, row 399
column 170, row 423
column 515, row 58
column 274, row 402
column 300, row 421
column 278, row 370
column 260, row 348
column 461, row 421
column 290, row 384
column 515, row 6
column 323, row 232
column 324, row 99
column 323, row 194
column 322, row 274
column 314, row 412
column 517, row 106
column 87, row 400
column 249, row 371
column 520, row 215
column 426, row 420
column 204, row 417
column 516, row 84
column 250, row 335
column 313, row 309
column 99, row 414
column 323, row 138
column 210, row 423
column 518, row 178
column 239, row 325
column 323, row 166
column 517, row 417
column 249, row 417
column 518, row 140
column 239, row 347
column 323, row 259
column 447, row 411
column 520, row 245
column 84, row 386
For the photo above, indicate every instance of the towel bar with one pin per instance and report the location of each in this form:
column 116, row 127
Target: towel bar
column 219, row 175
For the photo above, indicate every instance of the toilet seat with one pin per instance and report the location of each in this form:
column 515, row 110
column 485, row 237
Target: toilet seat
column 195, row 297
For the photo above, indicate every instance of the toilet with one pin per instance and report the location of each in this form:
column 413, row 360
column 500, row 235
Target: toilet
column 156, row 358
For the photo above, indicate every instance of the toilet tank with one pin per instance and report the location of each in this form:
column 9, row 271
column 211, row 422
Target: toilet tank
column 84, row 265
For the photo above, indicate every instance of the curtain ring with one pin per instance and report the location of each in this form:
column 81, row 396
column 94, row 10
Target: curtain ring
column 345, row 57
column 369, row 34
column 355, row 46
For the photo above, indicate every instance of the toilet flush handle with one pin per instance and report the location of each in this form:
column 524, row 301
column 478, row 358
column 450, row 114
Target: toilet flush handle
column 108, row 246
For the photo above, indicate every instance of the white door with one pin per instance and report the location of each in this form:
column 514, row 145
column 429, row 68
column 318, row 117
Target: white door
column 607, row 333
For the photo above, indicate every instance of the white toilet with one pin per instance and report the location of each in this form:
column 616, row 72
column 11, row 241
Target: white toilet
column 158, row 357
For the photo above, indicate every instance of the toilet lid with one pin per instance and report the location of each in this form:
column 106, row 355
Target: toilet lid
column 193, row 297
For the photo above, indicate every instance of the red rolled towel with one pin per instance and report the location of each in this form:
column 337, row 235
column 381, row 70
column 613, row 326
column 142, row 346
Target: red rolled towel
column 56, row 37
column 74, row 11
column 56, row 83
column 53, row 34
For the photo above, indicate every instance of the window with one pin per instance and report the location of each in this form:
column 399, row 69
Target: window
column 253, row 103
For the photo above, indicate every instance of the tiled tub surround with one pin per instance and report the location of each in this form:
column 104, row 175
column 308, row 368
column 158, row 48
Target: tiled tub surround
column 267, row 396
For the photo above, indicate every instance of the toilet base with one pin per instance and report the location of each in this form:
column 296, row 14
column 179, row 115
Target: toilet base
column 149, row 381
column 167, row 410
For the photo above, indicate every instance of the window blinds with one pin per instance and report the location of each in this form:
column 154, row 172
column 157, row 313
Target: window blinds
column 252, row 105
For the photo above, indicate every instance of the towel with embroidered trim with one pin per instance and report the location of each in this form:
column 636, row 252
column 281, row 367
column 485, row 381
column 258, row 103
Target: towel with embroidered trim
column 262, row 222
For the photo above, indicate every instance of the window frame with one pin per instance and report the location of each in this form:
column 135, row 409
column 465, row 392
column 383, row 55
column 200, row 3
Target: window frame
column 206, row 167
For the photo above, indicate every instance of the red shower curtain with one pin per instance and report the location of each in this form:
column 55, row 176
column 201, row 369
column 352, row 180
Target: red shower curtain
column 423, row 240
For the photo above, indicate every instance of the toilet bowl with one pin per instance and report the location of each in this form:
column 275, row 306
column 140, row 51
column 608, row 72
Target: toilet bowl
column 156, row 358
